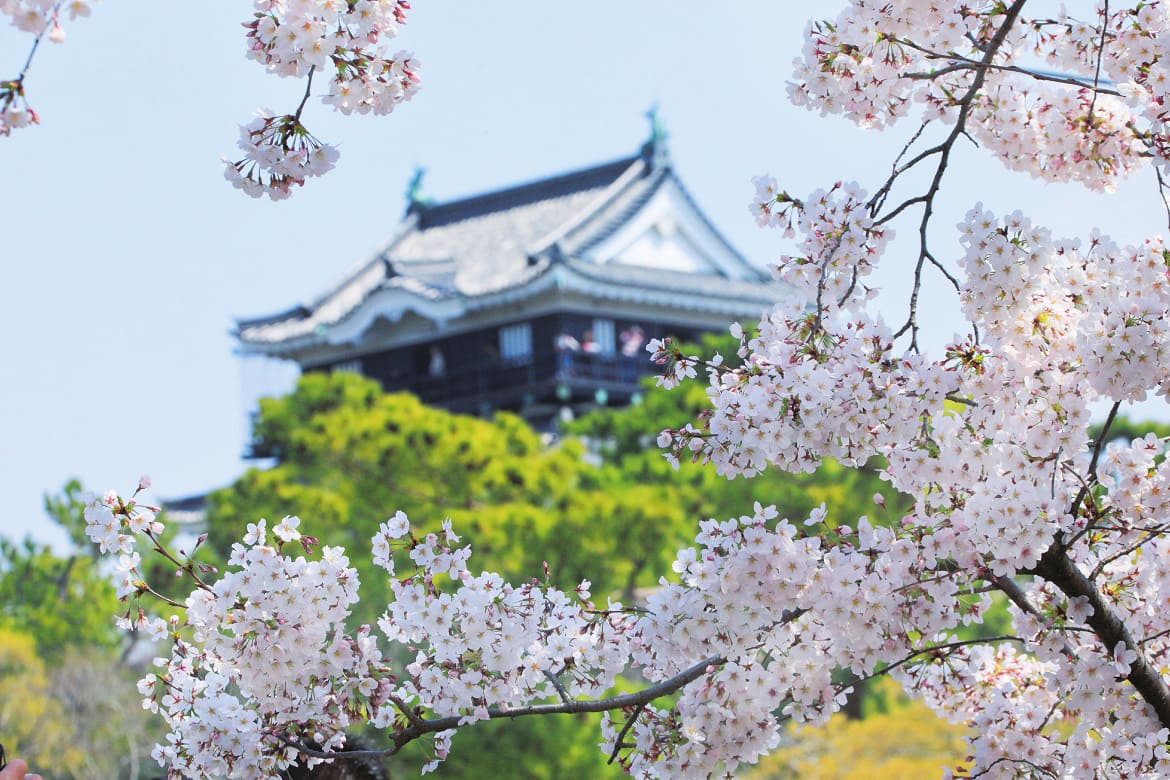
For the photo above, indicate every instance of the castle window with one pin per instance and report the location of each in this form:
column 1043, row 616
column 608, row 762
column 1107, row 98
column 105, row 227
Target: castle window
column 603, row 335
column 516, row 343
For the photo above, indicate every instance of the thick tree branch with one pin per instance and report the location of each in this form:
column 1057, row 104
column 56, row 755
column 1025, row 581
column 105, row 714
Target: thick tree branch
column 420, row 727
column 1057, row 568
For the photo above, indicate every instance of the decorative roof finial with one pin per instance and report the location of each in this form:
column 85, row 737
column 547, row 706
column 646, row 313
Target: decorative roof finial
column 654, row 150
column 657, row 128
column 415, row 200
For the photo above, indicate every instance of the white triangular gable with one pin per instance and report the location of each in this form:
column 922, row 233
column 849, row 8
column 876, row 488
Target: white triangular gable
column 668, row 233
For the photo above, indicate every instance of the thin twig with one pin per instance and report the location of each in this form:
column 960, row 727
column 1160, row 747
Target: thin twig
column 1091, row 477
column 959, row 62
column 50, row 18
column 305, row 99
column 552, row 678
column 1162, row 192
column 619, row 743
column 1100, row 56
column 1146, row 537
column 965, row 104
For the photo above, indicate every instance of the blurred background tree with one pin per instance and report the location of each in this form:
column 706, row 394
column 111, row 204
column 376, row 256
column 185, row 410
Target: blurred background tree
column 897, row 739
column 68, row 703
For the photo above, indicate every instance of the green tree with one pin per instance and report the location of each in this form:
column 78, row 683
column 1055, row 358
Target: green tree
column 1124, row 429
column 348, row 455
column 59, row 602
column 67, row 699
column 75, row 718
column 67, row 510
column 33, row 725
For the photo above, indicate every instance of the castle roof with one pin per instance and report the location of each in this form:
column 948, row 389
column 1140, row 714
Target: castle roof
column 624, row 230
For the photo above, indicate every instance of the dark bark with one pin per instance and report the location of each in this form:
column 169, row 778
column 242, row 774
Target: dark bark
column 1056, row 567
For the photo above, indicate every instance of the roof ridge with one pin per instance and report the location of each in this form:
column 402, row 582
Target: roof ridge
column 636, row 170
column 615, row 221
column 458, row 209
column 759, row 273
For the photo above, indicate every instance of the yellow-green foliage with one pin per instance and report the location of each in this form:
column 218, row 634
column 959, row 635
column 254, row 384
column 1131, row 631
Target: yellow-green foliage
column 905, row 741
column 33, row 725
column 78, row 718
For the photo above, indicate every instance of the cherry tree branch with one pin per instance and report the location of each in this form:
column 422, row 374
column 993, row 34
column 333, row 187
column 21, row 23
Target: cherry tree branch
column 420, row 727
column 1162, row 192
column 1100, row 56
column 961, row 63
column 1091, row 476
column 13, row 88
column 50, row 17
column 944, row 153
column 1057, row 568
column 619, row 742
column 305, row 98
column 1147, row 536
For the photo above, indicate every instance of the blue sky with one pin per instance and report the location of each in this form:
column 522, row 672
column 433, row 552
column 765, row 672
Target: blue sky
column 125, row 256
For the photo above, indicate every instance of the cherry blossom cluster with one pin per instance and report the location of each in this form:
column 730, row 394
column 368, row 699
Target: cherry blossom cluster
column 261, row 664
column 262, row 668
column 15, row 112
column 786, row 610
column 267, row 657
column 813, row 388
column 342, row 40
column 1048, row 303
column 840, row 245
column 43, row 19
column 36, row 16
column 250, row 652
column 485, row 642
column 1092, row 121
column 278, row 154
column 1052, row 701
column 990, row 440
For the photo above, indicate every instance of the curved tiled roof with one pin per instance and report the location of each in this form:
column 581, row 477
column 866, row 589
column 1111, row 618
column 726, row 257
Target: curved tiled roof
column 474, row 247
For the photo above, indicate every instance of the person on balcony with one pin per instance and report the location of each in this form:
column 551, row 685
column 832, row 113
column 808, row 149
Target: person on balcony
column 566, row 347
column 632, row 339
column 437, row 368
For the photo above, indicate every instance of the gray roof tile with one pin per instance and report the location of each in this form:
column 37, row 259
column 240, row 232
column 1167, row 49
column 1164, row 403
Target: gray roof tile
column 500, row 240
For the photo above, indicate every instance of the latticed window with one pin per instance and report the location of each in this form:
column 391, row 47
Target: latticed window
column 516, row 343
column 603, row 335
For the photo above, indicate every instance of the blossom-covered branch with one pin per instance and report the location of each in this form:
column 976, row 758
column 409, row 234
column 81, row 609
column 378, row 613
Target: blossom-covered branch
column 340, row 40
column 42, row 18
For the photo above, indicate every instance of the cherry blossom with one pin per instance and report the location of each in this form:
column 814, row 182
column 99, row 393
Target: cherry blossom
column 341, row 39
column 42, row 18
column 767, row 619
